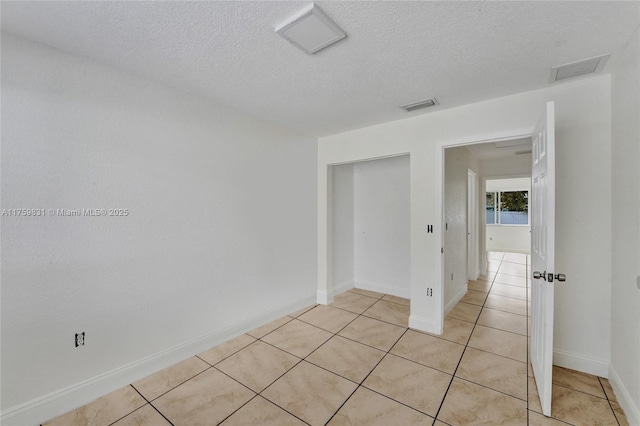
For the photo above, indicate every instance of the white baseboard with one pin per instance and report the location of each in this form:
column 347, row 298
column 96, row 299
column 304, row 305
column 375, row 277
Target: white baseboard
column 424, row 324
column 510, row 250
column 56, row 403
column 580, row 362
column 630, row 407
column 343, row 287
column 452, row 303
column 324, row 297
column 383, row 288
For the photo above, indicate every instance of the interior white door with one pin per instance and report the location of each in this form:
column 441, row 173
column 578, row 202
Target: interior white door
column 472, row 226
column 542, row 254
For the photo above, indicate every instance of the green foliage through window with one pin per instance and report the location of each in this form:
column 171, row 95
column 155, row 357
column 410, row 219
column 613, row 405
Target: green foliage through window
column 507, row 208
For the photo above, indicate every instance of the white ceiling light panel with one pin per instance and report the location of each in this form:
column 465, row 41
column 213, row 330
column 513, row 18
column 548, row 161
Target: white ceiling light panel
column 310, row 30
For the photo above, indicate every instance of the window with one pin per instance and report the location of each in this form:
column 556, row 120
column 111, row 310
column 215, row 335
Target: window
column 508, row 208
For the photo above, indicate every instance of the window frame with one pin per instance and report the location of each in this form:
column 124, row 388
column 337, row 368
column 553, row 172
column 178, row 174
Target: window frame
column 497, row 207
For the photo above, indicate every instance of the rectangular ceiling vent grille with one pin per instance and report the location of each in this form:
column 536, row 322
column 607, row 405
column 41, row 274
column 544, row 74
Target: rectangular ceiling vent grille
column 577, row 69
column 419, row 105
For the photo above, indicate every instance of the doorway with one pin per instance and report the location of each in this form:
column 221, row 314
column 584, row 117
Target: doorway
column 370, row 226
column 469, row 172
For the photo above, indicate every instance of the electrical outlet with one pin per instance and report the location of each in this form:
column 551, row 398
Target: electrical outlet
column 429, row 291
column 79, row 339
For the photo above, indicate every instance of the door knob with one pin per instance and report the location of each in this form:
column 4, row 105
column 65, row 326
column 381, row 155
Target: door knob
column 549, row 276
column 537, row 275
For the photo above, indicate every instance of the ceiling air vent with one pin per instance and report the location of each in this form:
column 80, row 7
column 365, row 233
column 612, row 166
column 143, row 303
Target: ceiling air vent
column 577, row 69
column 419, row 105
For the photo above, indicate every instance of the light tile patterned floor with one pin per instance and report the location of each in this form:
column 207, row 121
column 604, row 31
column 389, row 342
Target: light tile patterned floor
column 357, row 363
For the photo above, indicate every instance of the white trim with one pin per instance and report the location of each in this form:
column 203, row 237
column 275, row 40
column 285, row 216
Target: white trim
column 509, row 250
column 631, row 409
column 324, row 297
column 386, row 289
column 324, row 226
column 56, row 403
column 452, row 303
column 424, row 324
column 573, row 361
column 506, row 135
column 343, row 287
column 473, row 249
column 439, row 153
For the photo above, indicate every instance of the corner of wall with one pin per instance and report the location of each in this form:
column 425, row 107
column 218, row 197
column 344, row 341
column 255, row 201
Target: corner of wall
column 450, row 304
column 630, row 407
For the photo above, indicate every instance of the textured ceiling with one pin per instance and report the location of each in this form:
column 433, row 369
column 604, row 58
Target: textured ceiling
column 395, row 52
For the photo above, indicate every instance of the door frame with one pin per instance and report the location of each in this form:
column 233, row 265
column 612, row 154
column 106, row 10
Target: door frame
column 325, row 290
column 473, row 249
column 440, row 152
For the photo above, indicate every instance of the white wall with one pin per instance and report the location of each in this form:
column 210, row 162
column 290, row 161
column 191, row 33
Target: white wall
column 455, row 217
column 625, row 215
column 382, row 245
column 509, row 238
column 343, row 247
column 220, row 235
column 510, row 184
column 514, row 166
column 583, row 156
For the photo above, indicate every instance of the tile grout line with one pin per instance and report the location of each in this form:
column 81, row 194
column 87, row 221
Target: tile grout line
column 304, row 358
column 453, row 376
column 259, row 393
column 375, row 366
column 368, row 374
column 230, row 355
column 169, row 390
column 150, row 404
column 580, row 391
column 387, row 352
column 334, row 335
column 609, row 401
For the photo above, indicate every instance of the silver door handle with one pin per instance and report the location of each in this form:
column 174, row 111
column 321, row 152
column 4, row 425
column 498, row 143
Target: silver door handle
column 549, row 276
column 537, row 275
